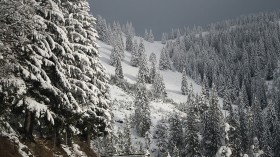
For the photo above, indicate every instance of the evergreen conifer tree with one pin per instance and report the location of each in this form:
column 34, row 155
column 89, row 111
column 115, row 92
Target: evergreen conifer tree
column 129, row 42
column 212, row 126
column 115, row 55
column 120, row 142
column 163, row 38
column 101, row 28
column 272, row 124
column 118, row 70
column 192, row 139
column 163, row 61
column 146, row 35
column 184, row 84
column 143, row 73
column 258, row 125
column 135, row 56
column 142, row 111
column 127, row 135
column 151, row 36
column 158, row 86
column 244, row 125
column 161, row 133
column 153, row 58
column 55, row 63
column 175, row 132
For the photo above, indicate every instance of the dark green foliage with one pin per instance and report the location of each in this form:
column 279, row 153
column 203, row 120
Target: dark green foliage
column 212, row 127
column 192, row 139
column 176, row 132
column 184, row 84
column 118, row 70
column 142, row 111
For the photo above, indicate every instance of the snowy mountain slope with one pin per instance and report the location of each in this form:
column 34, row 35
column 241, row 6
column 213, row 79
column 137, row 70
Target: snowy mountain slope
column 123, row 102
column 172, row 79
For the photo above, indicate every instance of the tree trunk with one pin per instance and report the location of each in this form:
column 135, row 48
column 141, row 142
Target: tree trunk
column 66, row 138
column 88, row 137
column 32, row 119
column 27, row 121
column 28, row 125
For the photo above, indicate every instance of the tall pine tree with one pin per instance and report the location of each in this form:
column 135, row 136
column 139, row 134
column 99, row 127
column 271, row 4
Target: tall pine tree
column 142, row 111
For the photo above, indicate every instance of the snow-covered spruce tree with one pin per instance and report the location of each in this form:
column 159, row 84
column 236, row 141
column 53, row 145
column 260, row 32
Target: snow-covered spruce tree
column 273, row 125
column 258, row 122
column 119, row 70
column 17, row 20
column 129, row 42
column 151, row 37
column 192, row 99
column 158, row 87
column 142, row 111
column 153, row 58
column 163, row 60
column 55, row 69
column 106, row 145
column 153, row 69
column 101, row 28
column 179, row 58
column 234, row 135
column 115, row 54
column 244, row 125
column 34, row 69
column 146, row 35
column 88, row 86
column 276, row 90
column 121, row 45
column 191, row 136
column 141, row 48
column 117, row 39
column 163, row 38
column 49, row 67
column 258, row 85
column 134, row 61
column 203, row 102
column 212, row 133
column 245, row 94
column 227, row 101
column 143, row 73
column 109, row 36
column 175, row 132
column 161, row 134
column 127, row 136
column 120, row 142
column 184, row 84
column 148, row 140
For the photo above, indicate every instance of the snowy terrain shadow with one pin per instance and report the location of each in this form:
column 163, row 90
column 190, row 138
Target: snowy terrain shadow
column 107, row 47
column 126, row 62
column 131, row 77
column 108, row 53
column 104, row 59
column 173, row 91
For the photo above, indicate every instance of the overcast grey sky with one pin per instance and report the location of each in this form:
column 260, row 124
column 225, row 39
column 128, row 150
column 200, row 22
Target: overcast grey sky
column 162, row 15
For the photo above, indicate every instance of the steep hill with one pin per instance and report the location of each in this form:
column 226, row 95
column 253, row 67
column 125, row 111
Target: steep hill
column 123, row 102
